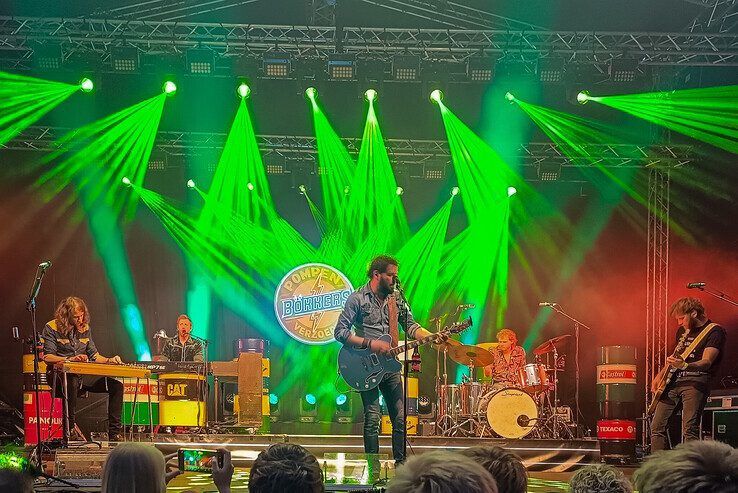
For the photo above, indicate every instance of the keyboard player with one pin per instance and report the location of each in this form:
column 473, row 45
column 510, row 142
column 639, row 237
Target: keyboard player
column 68, row 338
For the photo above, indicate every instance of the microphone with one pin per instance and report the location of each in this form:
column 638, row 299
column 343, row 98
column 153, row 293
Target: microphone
column 523, row 420
column 45, row 265
column 698, row 285
column 546, row 303
column 466, row 306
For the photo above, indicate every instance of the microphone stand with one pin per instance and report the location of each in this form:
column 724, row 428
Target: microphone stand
column 205, row 344
column 404, row 373
column 719, row 295
column 31, row 307
column 577, row 324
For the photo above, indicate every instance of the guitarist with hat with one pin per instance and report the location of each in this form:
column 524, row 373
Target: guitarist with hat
column 686, row 377
column 373, row 311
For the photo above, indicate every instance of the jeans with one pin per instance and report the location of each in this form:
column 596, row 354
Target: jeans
column 693, row 400
column 391, row 388
column 110, row 386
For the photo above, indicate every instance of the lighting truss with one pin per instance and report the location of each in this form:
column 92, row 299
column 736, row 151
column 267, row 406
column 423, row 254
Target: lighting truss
column 278, row 150
column 21, row 35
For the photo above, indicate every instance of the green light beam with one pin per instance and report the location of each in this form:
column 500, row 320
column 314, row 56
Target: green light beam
column 24, row 100
column 708, row 114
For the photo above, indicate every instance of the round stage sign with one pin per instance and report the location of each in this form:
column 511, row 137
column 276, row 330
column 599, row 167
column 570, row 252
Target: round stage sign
column 309, row 300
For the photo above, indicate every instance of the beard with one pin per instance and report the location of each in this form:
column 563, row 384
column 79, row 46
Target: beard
column 386, row 287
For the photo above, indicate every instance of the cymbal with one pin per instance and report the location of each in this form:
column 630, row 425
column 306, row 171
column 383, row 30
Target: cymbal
column 549, row 345
column 488, row 345
column 470, row 355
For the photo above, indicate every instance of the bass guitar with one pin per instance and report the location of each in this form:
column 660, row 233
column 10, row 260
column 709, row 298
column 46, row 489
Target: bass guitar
column 363, row 370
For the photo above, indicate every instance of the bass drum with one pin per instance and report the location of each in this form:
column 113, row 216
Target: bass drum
column 511, row 412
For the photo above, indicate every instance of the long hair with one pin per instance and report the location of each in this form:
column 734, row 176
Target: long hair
column 64, row 314
column 134, row 468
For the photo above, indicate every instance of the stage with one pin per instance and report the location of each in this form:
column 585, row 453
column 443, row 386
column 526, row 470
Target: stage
column 549, row 462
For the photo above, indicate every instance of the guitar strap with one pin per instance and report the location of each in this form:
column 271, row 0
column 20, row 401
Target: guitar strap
column 685, row 354
column 393, row 319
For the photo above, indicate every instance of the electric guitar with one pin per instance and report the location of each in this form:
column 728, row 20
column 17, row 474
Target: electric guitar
column 363, row 370
column 668, row 375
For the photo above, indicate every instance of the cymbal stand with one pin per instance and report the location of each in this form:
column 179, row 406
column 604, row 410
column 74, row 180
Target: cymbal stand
column 551, row 425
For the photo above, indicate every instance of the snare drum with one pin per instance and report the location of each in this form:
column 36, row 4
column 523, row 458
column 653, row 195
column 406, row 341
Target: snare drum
column 511, row 412
column 533, row 378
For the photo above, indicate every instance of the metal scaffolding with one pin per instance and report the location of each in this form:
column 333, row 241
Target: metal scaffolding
column 657, row 281
column 19, row 36
column 402, row 152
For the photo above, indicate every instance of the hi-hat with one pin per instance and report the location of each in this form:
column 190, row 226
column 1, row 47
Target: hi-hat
column 470, row 355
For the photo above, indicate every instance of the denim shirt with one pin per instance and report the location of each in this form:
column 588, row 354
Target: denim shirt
column 369, row 316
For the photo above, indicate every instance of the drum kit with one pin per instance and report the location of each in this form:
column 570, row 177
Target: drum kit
column 527, row 408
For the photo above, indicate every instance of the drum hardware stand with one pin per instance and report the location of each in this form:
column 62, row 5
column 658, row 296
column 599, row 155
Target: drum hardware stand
column 577, row 324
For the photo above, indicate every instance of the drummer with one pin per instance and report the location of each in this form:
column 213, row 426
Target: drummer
column 508, row 359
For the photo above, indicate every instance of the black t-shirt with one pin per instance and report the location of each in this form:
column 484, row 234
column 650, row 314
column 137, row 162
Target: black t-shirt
column 715, row 339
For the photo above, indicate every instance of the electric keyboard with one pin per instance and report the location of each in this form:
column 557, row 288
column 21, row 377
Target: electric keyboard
column 172, row 366
column 105, row 370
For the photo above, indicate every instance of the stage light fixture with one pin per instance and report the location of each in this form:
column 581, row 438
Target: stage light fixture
column 400, row 191
column 582, row 97
column 510, row 97
column 169, row 88
column 405, row 67
column 551, row 69
column 126, row 181
column 479, row 69
column 250, row 186
column 341, row 67
column 344, row 413
column 549, row 172
column 125, row 59
column 308, row 408
column 200, row 61
column 455, row 191
column 436, row 95
column 434, row 172
column 311, row 93
column 274, row 407
column 370, row 95
column 302, row 189
column 190, row 183
column 48, row 56
column 86, row 84
column 623, row 70
column 243, row 90
column 346, row 190
column 277, row 65
column 511, row 191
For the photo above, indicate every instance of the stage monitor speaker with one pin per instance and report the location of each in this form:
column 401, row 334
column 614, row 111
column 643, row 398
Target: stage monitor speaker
column 725, row 427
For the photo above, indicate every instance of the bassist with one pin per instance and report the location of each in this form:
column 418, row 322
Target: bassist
column 690, row 383
column 372, row 311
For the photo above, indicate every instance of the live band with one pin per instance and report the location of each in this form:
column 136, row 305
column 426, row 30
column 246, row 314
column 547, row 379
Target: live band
column 369, row 325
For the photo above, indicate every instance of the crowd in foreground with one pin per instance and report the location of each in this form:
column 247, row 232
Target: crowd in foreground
column 696, row 466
